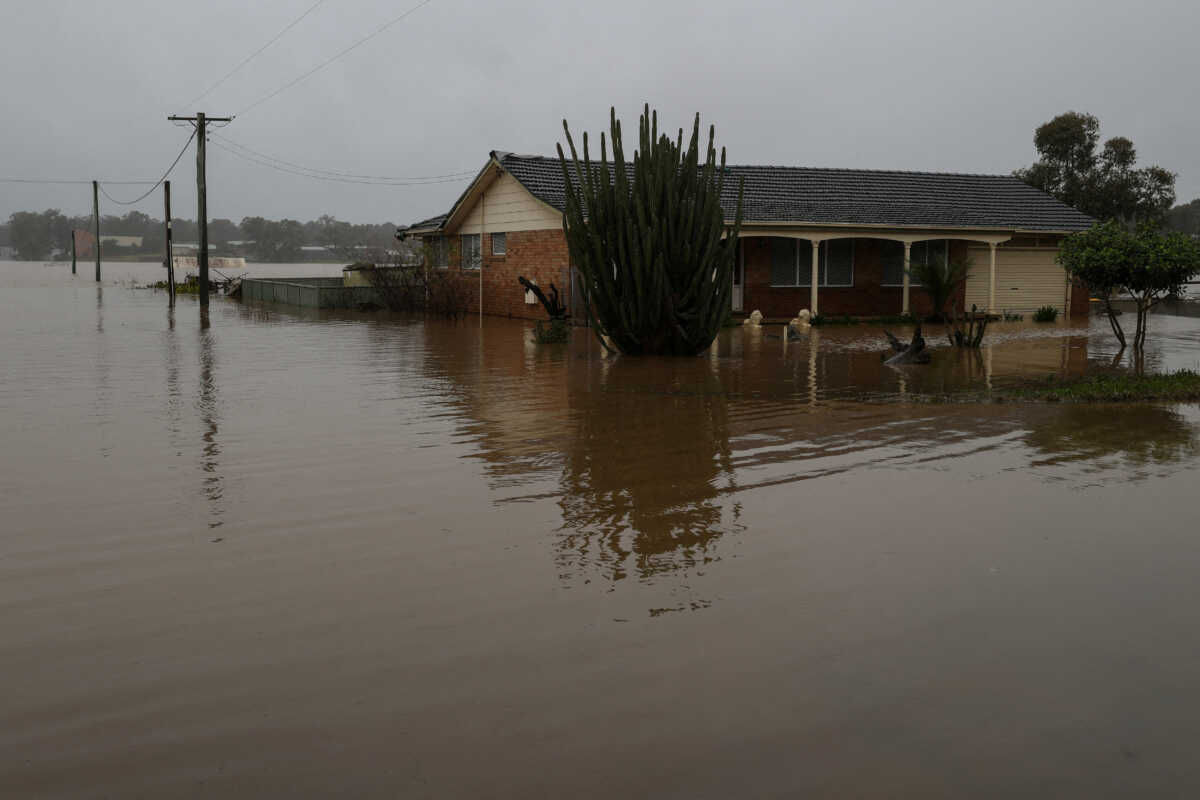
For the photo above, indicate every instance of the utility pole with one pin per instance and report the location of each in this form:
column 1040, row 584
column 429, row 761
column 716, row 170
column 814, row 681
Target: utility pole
column 96, row 214
column 72, row 251
column 170, row 262
column 201, row 121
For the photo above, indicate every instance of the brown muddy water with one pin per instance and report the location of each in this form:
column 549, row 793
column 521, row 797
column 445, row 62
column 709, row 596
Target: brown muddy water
column 316, row 554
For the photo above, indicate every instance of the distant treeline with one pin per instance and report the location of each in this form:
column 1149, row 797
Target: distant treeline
column 40, row 236
column 1185, row 218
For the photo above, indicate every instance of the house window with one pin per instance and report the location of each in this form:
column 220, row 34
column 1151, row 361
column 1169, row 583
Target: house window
column 470, row 251
column 439, row 252
column 892, row 254
column 791, row 262
column 499, row 244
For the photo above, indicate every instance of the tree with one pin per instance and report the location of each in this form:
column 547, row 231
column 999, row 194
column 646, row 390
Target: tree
column 649, row 239
column 1105, row 184
column 1185, row 218
column 1148, row 265
column 36, row 236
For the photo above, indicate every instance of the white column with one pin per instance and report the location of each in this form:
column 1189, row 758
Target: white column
column 907, row 264
column 816, row 270
column 992, row 278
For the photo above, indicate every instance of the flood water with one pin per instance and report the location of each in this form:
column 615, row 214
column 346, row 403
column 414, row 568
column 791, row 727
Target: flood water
column 298, row 553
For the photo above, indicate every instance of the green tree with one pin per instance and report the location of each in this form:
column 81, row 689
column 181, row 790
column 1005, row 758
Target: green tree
column 1185, row 218
column 1148, row 265
column 36, row 236
column 1105, row 184
column 649, row 239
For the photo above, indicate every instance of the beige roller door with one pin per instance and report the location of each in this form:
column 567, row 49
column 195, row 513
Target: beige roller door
column 1026, row 279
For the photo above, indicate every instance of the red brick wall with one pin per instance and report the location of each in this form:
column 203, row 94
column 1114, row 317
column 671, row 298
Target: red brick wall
column 866, row 298
column 541, row 256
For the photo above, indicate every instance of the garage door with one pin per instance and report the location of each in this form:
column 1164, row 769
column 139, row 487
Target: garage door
column 1026, row 279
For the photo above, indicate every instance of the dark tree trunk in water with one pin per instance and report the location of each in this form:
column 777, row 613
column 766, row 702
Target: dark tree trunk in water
column 552, row 304
column 912, row 353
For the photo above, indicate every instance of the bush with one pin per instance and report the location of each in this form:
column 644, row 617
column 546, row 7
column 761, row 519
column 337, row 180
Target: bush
column 409, row 288
column 555, row 331
column 1045, row 314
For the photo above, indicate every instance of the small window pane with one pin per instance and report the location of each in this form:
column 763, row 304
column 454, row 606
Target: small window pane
column 439, row 251
column 783, row 262
column 499, row 244
column 470, row 251
column 804, row 262
column 839, row 262
column 892, row 256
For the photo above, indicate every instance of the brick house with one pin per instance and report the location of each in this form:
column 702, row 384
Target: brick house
column 835, row 241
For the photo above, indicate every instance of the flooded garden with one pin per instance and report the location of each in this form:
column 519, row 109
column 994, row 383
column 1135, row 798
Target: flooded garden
column 330, row 552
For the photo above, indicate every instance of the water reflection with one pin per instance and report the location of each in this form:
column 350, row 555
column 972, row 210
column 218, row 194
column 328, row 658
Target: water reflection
column 208, row 406
column 638, row 498
column 1142, row 438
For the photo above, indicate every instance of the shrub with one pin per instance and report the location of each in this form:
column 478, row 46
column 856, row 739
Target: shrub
column 554, row 331
column 1045, row 314
column 414, row 288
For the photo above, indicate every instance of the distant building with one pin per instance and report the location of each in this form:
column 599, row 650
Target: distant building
column 120, row 241
column 7, row 252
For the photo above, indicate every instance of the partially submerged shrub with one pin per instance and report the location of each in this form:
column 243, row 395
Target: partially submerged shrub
column 416, row 288
column 554, row 331
column 1045, row 314
column 941, row 282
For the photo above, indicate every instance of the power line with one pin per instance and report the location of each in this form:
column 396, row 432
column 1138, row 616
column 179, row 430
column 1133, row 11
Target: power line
column 160, row 180
column 341, row 174
column 326, row 63
column 71, row 181
column 335, row 178
column 254, row 55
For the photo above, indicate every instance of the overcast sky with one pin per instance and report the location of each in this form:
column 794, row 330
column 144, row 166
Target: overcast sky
column 903, row 84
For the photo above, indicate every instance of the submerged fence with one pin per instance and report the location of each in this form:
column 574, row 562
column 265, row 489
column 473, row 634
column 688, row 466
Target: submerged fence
column 308, row 292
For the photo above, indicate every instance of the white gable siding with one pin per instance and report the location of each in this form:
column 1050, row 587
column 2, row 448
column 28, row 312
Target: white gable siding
column 510, row 207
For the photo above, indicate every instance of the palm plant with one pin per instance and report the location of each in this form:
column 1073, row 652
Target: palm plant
column 941, row 282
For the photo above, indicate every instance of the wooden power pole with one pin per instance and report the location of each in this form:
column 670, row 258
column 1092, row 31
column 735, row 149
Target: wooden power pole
column 170, row 262
column 201, row 121
column 96, row 214
column 73, row 250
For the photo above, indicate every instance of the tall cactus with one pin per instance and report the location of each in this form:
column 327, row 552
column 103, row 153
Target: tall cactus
column 650, row 239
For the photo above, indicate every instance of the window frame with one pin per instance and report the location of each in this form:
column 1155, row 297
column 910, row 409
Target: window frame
column 503, row 251
column 439, row 247
column 926, row 243
column 805, row 268
column 478, row 248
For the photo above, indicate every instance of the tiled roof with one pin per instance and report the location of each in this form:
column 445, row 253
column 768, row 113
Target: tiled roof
column 433, row 223
column 856, row 196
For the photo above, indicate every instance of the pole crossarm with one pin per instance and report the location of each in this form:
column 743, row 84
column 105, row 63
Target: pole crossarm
column 196, row 119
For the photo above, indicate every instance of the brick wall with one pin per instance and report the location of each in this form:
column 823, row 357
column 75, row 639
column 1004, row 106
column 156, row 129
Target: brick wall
column 866, row 298
column 540, row 256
